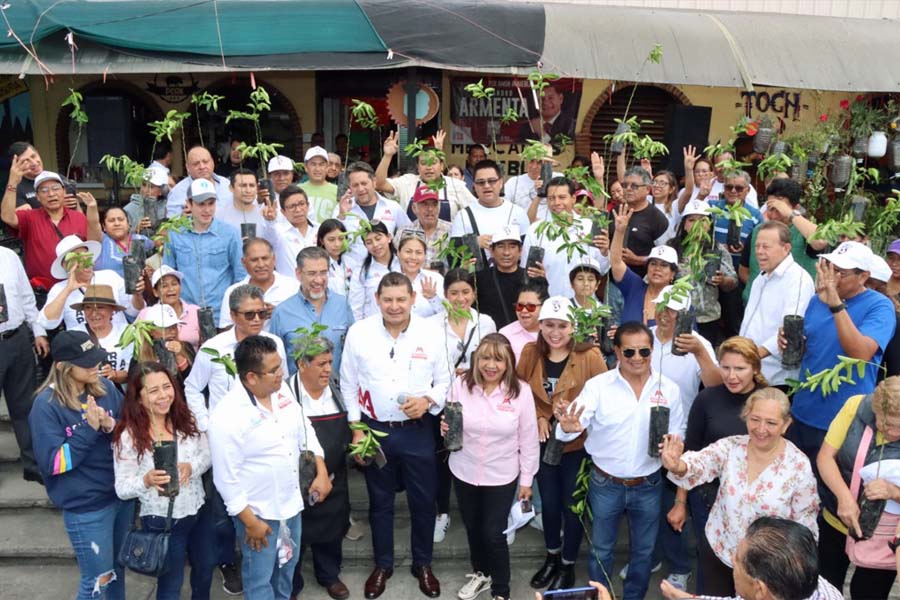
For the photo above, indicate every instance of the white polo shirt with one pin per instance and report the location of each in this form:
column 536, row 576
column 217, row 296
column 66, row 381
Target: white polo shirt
column 557, row 263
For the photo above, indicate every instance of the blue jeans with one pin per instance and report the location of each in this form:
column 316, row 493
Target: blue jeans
column 557, row 483
column 671, row 544
column 186, row 539
column 263, row 578
column 222, row 525
column 609, row 502
column 96, row 537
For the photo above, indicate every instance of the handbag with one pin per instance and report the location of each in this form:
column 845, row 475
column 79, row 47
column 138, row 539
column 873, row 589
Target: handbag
column 143, row 551
column 872, row 553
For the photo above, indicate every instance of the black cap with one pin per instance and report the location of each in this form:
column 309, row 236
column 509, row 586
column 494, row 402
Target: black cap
column 76, row 347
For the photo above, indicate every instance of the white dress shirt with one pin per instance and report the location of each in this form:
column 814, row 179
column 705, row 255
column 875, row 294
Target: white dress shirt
column 556, row 261
column 520, row 191
column 376, row 368
column 386, row 211
column 364, row 284
column 287, row 242
column 314, row 407
column 683, row 370
column 282, row 288
column 618, row 423
column 256, row 453
column 425, row 307
column 205, row 373
column 20, row 302
column 339, row 274
column 772, row 296
column 71, row 317
column 477, row 326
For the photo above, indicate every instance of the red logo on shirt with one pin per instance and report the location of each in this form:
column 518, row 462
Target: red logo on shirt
column 658, row 399
column 365, row 401
column 420, row 353
column 506, row 405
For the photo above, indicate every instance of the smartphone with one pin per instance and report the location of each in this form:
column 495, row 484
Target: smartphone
column 71, row 188
column 535, row 256
column 596, row 225
column 267, row 183
column 546, row 176
column 582, row 593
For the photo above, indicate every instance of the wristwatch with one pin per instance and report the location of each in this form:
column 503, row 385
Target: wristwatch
column 836, row 309
column 794, row 213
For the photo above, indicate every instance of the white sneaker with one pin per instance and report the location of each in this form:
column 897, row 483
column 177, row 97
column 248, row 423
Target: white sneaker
column 477, row 583
column 537, row 522
column 624, row 572
column 679, row 580
column 441, row 524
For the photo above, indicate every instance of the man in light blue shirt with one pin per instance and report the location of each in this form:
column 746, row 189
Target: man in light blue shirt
column 209, row 254
column 314, row 304
column 200, row 165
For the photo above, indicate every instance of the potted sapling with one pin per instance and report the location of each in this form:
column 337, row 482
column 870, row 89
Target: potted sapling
column 735, row 214
column 792, row 326
column 841, row 169
column 765, row 133
column 140, row 335
column 680, row 295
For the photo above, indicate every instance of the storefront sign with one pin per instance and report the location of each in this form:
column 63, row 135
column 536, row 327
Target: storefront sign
column 174, row 90
column 782, row 103
column 473, row 119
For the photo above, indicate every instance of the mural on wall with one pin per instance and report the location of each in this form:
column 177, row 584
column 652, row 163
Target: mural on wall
column 472, row 119
column 779, row 104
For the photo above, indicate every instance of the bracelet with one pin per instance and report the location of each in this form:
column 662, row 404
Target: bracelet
column 10, row 188
column 682, row 502
column 181, row 364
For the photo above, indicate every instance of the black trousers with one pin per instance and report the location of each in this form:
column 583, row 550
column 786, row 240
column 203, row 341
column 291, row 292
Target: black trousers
column 484, row 510
column 867, row 584
column 327, row 557
column 718, row 579
column 17, row 379
column 442, row 459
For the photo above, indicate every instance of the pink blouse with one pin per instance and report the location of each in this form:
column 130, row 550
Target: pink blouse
column 518, row 336
column 786, row 488
column 189, row 329
column 500, row 436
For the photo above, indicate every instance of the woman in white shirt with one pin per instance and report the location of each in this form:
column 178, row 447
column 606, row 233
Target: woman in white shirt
column 381, row 259
column 98, row 306
column 463, row 329
column 428, row 285
column 155, row 411
column 330, row 236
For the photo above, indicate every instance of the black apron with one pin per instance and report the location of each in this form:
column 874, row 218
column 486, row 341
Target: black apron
column 329, row 520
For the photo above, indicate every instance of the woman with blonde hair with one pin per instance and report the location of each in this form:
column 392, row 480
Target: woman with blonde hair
column 497, row 462
column 72, row 421
column 873, row 419
column 761, row 474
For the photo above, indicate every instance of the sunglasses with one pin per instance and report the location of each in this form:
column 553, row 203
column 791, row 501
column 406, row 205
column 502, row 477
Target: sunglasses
column 483, row 182
column 630, row 352
column 250, row 315
column 527, row 307
column 412, row 233
column 734, row 188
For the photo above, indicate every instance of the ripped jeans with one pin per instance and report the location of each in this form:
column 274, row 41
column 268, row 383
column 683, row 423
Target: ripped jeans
column 96, row 537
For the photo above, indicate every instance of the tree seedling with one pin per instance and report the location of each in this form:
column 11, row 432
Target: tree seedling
column 369, row 447
column 226, row 360
column 80, row 117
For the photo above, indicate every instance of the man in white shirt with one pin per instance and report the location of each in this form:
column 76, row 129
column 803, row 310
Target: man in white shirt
column 243, row 210
column 17, row 377
column 257, row 435
column 290, row 237
column 200, row 165
column 210, row 376
column 281, row 174
column 782, row 288
column 455, row 196
column 395, row 365
column 491, row 213
column 521, row 190
column 617, row 409
column 259, row 261
column 557, row 262
column 362, row 202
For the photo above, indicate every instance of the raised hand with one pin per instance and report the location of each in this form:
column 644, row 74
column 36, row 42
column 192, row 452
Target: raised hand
column 671, row 450
column 429, row 288
column 391, row 144
column 438, row 139
column 570, row 419
column 622, row 216
column 647, row 166
column 826, row 283
column 597, row 167
column 690, row 158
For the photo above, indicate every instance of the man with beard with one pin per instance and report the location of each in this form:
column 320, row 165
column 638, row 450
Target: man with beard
column 200, row 165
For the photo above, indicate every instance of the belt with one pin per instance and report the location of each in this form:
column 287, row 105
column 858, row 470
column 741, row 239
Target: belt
column 394, row 424
column 627, row 482
column 5, row 335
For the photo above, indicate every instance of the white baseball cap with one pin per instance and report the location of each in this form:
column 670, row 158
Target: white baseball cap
column 696, row 207
column 46, row 176
column 586, row 263
column 156, row 176
column 879, row 269
column 850, row 255
column 202, row 190
column 507, row 233
column 161, row 315
column 66, row 245
column 556, row 307
column 162, row 272
column 281, row 163
column 664, row 253
column 314, row 152
column 674, row 303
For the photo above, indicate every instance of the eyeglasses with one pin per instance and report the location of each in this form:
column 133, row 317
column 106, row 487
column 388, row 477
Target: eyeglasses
column 630, row 352
column 660, row 183
column 730, row 187
column 527, row 307
column 633, row 186
column 277, row 371
column 251, row 315
column 46, row 189
column 293, row 206
column 483, row 182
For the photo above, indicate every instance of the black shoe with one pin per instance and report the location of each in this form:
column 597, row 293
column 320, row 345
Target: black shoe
column 232, row 582
column 33, row 476
column 564, row 578
column 547, row 572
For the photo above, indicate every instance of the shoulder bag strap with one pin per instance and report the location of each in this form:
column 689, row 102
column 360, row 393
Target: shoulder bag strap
column 503, row 302
column 169, row 514
column 472, row 221
column 462, row 355
column 860, row 460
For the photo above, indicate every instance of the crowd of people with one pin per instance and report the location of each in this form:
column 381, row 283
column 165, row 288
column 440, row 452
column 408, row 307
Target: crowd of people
column 282, row 335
